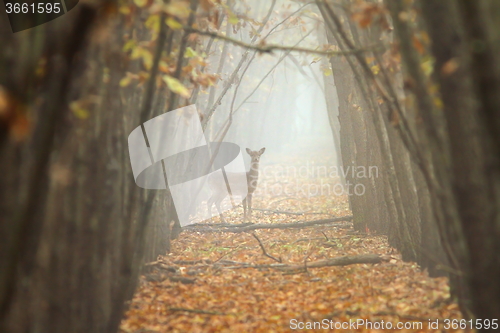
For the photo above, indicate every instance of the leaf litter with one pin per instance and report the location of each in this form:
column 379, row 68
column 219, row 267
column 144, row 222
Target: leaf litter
column 222, row 282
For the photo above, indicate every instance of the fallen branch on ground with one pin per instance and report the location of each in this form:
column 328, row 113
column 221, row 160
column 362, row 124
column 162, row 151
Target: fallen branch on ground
column 192, row 262
column 162, row 265
column 159, row 277
column 339, row 261
column 235, row 228
column 218, row 225
column 344, row 261
column 264, row 249
column 198, row 311
column 288, row 213
column 181, row 279
column 307, row 239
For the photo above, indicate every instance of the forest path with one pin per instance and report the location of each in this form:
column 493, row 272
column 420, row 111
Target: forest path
column 206, row 285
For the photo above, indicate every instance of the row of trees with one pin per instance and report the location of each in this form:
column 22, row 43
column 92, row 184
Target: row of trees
column 418, row 97
column 73, row 220
column 75, row 227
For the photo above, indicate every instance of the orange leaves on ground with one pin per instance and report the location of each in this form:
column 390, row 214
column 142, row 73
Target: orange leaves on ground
column 226, row 297
column 252, row 300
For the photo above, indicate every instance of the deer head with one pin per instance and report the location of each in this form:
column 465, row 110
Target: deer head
column 255, row 155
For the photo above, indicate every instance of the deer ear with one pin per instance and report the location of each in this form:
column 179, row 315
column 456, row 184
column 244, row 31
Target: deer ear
column 249, row 151
column 262, row 151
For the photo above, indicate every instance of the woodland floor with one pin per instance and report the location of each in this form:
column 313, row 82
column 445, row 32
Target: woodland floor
column 203, row 285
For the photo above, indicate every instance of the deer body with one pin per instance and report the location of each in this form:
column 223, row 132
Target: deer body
column 219, row 190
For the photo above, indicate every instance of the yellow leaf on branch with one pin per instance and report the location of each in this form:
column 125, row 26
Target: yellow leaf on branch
column 178, row 9
column 176, row 86
column 129, row 45
column 78, row 110
column 125, row 10
column 173, row 23
column 140, row 3
column 147, row 59
column 190, row 52
column 232, row 18
column 125, row 81
column 153, row 23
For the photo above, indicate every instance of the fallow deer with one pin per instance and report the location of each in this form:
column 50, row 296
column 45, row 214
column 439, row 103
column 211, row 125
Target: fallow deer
column 219, row 189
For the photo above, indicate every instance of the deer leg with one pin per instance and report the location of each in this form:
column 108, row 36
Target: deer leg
column 249, row 204
column 217, row 204
column 244, row 209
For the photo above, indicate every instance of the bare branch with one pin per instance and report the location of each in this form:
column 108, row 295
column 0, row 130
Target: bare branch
column 236, row 228
column 236, row 70
column 264, row 249
column 289, row 213
column 370, row 258
column 269, row 73
column 261, row 47
column 215, row 313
